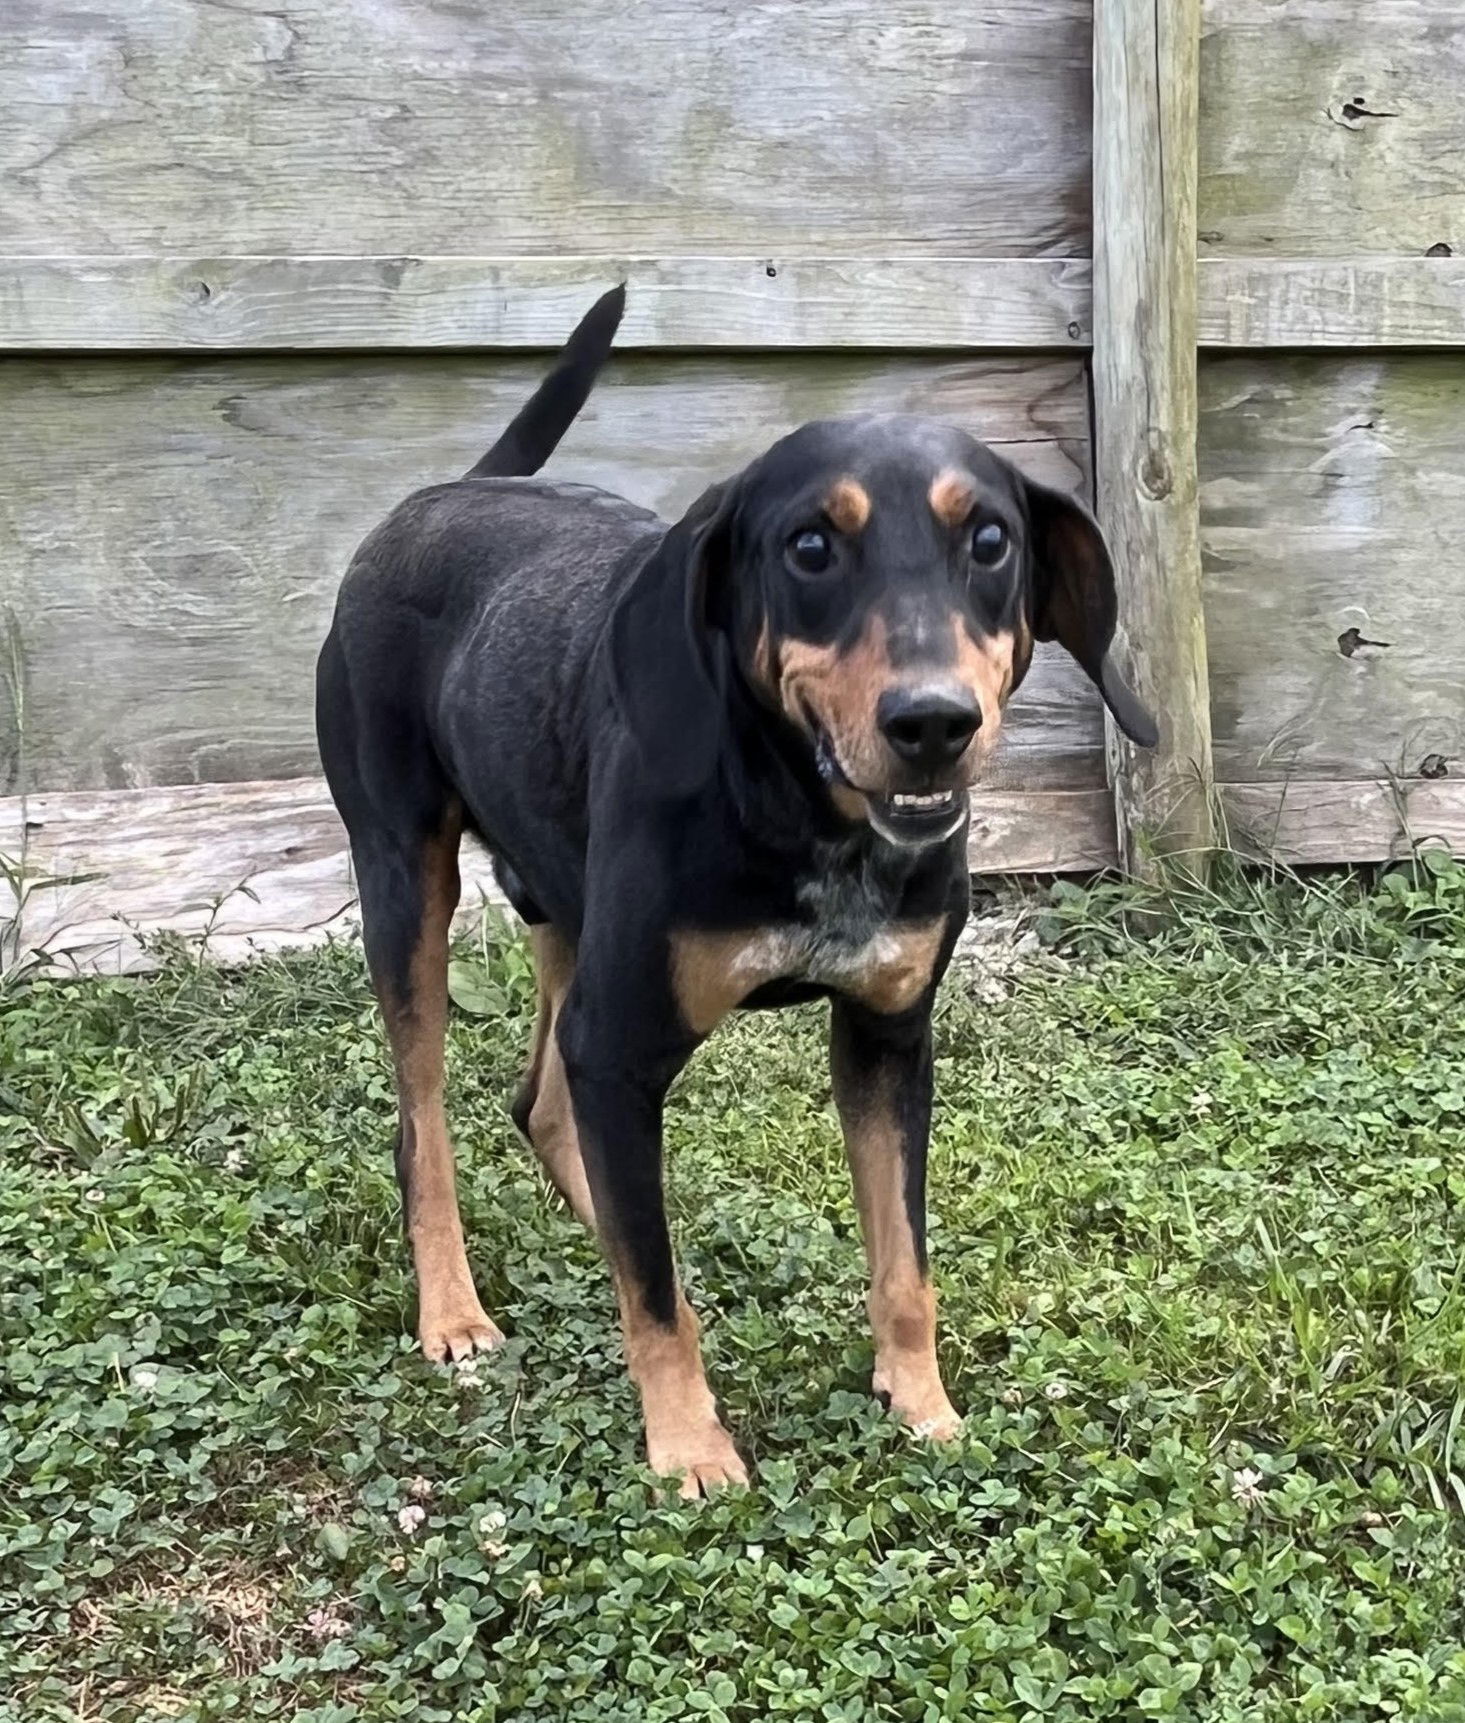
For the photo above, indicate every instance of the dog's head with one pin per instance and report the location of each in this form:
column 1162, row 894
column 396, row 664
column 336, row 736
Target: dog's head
column 878, row 584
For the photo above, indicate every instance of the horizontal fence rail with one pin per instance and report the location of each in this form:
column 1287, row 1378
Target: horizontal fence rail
column 281, row 304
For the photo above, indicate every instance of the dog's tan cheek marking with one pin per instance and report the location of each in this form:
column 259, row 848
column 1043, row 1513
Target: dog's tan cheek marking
column 1022, row 649
column 764, row 672
column 803, row 670
column 712, row 973
column 988, row 667
column 952, row 496
column 848, row 505
column 902, row 1301
column 842, row 690
column 901, row 963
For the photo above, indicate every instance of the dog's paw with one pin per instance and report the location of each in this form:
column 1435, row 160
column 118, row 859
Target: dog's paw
column 448, row 1336
column 703, row 1459
column 920, row 1402
column 943, row 1425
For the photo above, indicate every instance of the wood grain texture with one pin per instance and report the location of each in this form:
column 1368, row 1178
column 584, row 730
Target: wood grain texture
column 169, row 304
column 256, row 304
column 175, row 531
column 1366, row 819
column 546, row 127
column 1348, row 302
column 1333, row 511
column 248, row 868
column 255, row 867
column 1144, row 371
column 1331, row 128
column 245, row 869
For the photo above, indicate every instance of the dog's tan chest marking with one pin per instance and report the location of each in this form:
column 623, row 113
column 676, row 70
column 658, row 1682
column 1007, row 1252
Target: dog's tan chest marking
column 888, row 969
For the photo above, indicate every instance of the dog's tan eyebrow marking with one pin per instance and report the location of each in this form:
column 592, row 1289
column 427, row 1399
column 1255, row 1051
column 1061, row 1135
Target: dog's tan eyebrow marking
column 951, row 496
column 848, row 505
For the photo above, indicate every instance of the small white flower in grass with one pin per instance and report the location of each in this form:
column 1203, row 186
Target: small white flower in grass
column 1371, row 1518
column 398, row 1563
column 465, row 1372
column 488, row 1526
column 1012, row 1397
column 410, row 1518
column 234, row 1163
column 325, row 1624
column 1200, row 1102
column 1057, row 1391
column 1246, row 1486
column 94, row 1195
column 145, row 1377
column 420, row 1489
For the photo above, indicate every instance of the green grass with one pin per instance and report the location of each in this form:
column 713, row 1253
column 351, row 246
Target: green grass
column 1197, row 1209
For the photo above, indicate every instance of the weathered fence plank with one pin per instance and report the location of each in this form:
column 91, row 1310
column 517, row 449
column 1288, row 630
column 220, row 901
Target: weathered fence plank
column 251, row 868
column 1352, row 302
column 260, row 866
column 1331, row 128
column 1351, row 820
column 137, row 304
column 1145, row 71
column 174, row 531
column 544, row 127
column 275, row 304
column 1332, row 510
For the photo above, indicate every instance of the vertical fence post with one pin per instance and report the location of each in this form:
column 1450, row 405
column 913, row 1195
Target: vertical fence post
column 1146, row 82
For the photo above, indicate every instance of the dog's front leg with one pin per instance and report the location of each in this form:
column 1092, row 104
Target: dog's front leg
column 618, row 1077
column 881, row 1066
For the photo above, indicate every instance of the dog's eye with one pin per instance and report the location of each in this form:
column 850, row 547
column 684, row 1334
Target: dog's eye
column 810, row 551
column 989, row 543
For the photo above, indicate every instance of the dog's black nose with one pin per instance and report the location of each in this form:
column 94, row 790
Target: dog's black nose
column 928, row 727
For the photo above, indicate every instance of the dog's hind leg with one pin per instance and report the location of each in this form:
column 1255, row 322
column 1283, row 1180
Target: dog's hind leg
column 409, row 889
column 542, row 1108
column 405, row 824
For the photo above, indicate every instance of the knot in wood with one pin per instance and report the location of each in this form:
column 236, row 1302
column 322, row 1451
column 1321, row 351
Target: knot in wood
column 1156, row 479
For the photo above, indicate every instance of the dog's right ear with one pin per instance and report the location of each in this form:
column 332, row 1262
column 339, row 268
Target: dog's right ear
column 668, row 664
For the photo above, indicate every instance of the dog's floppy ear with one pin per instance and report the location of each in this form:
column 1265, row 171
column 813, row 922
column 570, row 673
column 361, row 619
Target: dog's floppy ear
column 1074, row 601
column 668, row 664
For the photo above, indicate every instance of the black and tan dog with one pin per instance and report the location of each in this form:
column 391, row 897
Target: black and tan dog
column 719, row 764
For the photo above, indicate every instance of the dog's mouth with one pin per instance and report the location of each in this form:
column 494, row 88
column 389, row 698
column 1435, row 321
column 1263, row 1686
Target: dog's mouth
column 900, row 818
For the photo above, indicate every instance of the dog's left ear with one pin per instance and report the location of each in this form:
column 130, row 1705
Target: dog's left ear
column 1074, row 601
column 668, row 664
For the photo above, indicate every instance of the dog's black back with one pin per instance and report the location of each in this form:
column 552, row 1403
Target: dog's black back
column 473, row 615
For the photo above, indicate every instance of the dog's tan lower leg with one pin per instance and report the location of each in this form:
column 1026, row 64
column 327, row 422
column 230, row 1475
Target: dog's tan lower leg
column 685, row 1437
column 902, row 1301
column 879, row 1141
column 451, row 1322
column 550, row 1124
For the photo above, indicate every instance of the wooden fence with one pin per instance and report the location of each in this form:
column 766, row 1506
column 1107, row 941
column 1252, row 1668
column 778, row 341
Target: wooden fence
column 263, row 271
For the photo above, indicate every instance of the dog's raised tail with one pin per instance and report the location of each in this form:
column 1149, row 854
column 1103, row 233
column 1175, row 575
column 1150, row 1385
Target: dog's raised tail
column 549, row 412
